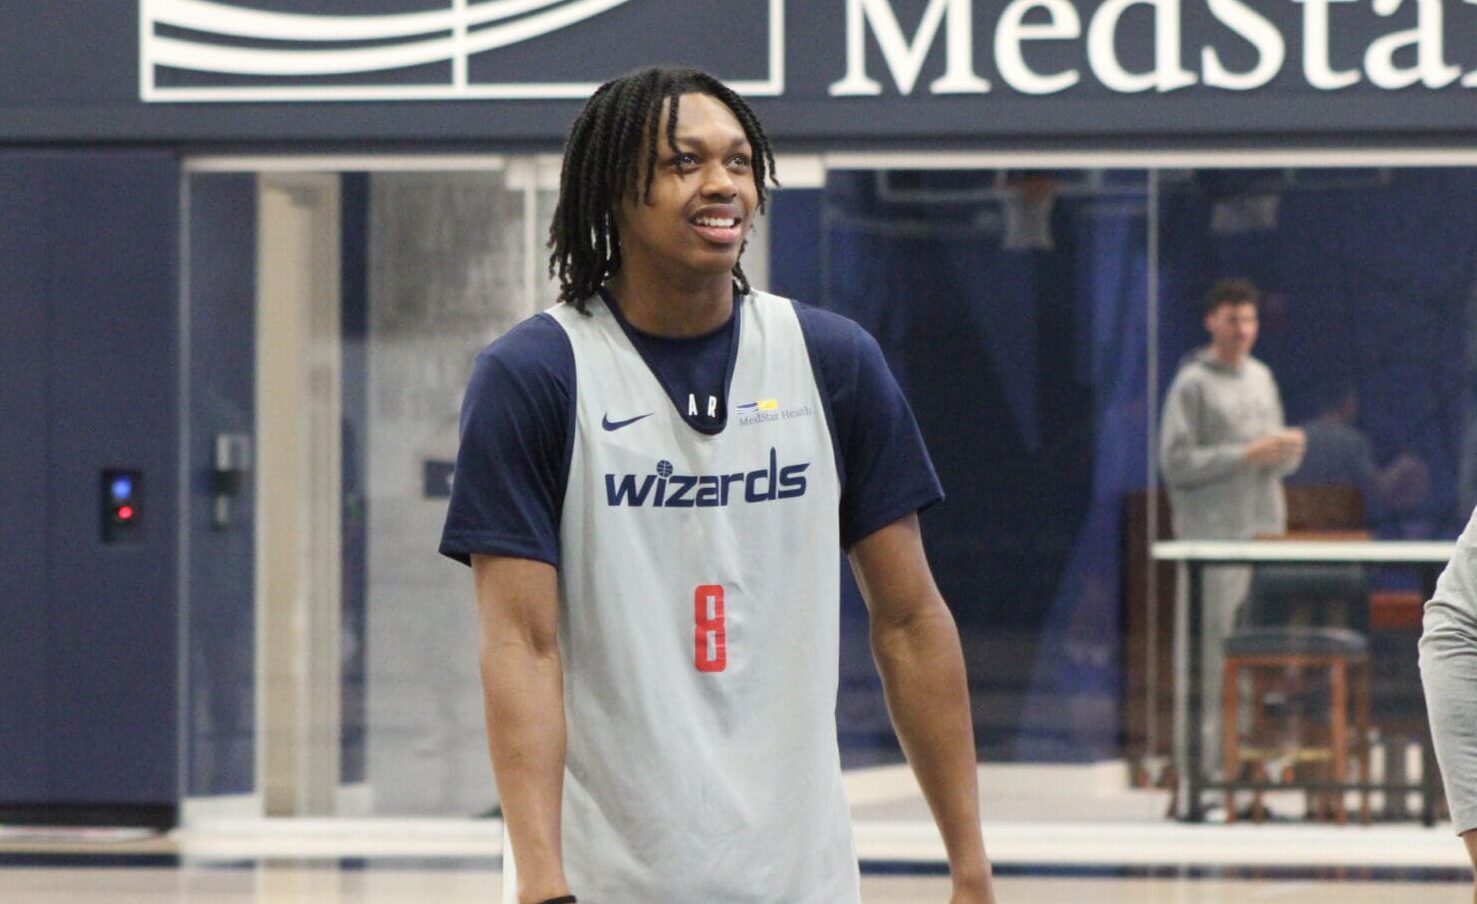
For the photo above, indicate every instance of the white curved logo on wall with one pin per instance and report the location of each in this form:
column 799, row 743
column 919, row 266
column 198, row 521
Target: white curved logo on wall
column 208, row 50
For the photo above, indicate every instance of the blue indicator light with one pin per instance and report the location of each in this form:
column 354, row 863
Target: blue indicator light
column 123, row 489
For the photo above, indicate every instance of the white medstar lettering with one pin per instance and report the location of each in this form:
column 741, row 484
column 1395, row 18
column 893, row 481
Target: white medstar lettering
column 1063, row 24
column 1168, row 72
column 1316, row 67
column 1430, row 69
column 905, row 60
column 1271, row 49
column 1470, row 79
column 692, row 405
column 712, row 406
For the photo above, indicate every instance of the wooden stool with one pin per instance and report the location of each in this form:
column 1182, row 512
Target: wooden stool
column 1345, row 656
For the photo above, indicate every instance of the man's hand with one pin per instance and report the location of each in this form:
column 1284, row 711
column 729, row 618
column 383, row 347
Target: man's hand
column 1264, row 451
column 1276, row 448
column 1295, row 442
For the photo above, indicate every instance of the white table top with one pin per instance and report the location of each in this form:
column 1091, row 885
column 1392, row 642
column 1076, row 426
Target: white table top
column 1375, row 551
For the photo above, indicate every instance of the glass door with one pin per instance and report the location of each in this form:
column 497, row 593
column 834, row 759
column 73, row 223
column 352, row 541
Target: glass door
column 335, row 317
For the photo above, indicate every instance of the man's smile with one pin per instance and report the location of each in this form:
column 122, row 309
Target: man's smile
column 719, row 225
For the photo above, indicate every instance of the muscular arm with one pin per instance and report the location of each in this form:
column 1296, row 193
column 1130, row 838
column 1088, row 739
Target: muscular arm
column 917, row 650
column 522, row 682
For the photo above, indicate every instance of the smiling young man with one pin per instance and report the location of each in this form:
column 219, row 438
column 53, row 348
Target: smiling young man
column 653, row 480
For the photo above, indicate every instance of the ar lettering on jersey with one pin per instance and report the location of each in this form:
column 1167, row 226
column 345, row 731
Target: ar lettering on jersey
column 668, row 489
column 692, row 410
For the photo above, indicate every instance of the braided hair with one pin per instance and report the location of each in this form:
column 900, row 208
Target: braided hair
column 601, row 165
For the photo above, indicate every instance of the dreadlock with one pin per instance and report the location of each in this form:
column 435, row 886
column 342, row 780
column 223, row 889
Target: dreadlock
column 601, row 165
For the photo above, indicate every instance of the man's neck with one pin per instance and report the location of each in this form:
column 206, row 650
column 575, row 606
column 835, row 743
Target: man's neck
column 665, row 307
column 1232, row 360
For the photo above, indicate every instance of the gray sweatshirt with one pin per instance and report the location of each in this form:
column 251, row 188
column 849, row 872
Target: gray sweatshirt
column 1213, row 411
column 1449, row 674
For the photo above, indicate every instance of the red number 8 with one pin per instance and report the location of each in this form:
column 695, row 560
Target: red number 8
column 710, row 652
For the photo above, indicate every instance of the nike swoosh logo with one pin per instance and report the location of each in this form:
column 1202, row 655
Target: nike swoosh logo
column 609, row 424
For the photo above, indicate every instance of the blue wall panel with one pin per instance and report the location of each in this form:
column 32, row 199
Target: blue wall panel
column 113, row 378
column 23, row 526
column 98, row 690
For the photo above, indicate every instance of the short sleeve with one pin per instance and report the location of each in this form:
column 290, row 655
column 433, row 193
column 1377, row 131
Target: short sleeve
column 517, row 430
column 884, row 466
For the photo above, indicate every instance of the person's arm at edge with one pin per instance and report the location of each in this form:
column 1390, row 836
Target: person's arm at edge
column 1448, row 664
column 1448, row 647
column 916, row 645
column 523, row 693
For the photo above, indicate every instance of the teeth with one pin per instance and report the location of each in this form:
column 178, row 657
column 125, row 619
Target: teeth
column 716, row 222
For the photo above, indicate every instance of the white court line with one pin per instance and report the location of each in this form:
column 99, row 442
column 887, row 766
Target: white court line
column 1129, row 844
column 890, row 784
column 1099, row 844
column 1113, row 841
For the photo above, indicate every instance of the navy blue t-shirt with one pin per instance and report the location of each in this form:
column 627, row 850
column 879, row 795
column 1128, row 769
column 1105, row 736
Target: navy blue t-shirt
column 694, row 370
column 517, row 429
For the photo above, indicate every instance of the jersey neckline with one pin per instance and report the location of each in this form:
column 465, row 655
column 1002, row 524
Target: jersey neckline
column 633, row 336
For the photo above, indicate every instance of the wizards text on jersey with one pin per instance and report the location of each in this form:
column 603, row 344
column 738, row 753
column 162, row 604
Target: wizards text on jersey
column 668, row 489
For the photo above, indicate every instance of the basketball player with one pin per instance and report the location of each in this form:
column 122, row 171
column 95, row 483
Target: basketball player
column 653, row 480
column 1449, row 674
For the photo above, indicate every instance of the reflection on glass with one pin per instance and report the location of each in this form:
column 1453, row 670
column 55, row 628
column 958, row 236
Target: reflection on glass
column 1365, row 320
column 446, row 266
column 1015, row 309
column 1012, row 308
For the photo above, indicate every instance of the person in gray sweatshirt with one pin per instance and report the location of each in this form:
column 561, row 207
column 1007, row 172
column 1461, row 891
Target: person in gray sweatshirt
column 1448, row 656
column 1224, row 449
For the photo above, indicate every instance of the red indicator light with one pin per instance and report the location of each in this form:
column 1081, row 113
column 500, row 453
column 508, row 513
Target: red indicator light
column 125, row 513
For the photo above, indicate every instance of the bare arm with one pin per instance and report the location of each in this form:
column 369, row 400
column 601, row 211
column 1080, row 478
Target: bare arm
column 523, row 692
column 916, row 646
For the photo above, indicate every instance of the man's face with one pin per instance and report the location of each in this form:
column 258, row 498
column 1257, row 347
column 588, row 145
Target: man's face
column 703, row 196
column 1232, row 329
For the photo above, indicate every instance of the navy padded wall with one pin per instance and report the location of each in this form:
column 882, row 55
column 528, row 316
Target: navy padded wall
column 94, row 682
column 23, row 526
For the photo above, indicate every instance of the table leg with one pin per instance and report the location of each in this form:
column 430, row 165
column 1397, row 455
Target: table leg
column 1192, row 768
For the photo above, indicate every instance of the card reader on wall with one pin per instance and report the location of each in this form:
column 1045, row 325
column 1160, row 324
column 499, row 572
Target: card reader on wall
column 123, row 506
